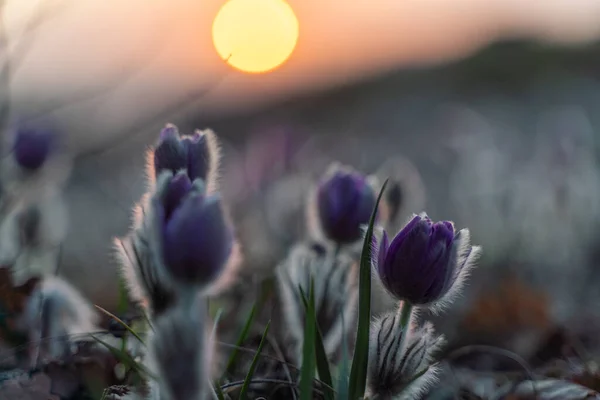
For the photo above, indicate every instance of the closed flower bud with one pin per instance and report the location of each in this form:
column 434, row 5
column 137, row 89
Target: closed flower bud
column 426, row 262
column 197, row 240
column 345, row 201
column 170, row 153
column 200, row 154
column 32, row 147
column 400, row 358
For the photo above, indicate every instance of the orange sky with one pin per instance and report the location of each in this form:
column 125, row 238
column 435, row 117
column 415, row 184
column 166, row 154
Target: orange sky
column 89, row 43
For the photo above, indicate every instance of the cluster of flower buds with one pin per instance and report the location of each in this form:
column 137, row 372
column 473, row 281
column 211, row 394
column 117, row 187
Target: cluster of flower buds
column 180, row 245
column 422, row 267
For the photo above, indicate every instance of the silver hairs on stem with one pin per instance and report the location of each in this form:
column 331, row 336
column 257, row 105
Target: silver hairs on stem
column 400, row 360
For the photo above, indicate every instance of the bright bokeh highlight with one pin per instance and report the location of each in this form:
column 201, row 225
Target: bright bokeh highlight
column 255, row 36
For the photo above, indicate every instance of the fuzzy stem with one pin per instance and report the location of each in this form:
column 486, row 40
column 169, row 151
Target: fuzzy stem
column 405, row 310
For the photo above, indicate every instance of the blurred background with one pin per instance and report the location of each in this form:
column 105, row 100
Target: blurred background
column 487, row 111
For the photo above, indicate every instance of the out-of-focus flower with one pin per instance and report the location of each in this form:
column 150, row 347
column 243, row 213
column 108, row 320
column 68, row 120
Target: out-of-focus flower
column 32, row 147
column 335, row 288
column 180, row 232
column 198, row 155
column 197, row 240
column 180, row 352
column 426, row 262
column 53, row 316
column 400, row 358
column 344, row 202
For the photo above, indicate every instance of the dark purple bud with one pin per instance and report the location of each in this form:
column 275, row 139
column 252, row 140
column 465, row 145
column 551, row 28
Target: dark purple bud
column 197, row 240
column 178, row 188
column 419, row 265
column 345, row 202
column 32, row 147
column 170, row 153
column 199, row 157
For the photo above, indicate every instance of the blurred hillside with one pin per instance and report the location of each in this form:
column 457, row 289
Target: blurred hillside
column 490, row 136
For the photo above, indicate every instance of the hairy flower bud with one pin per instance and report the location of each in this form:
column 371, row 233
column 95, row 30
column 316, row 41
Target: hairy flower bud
column 425, row 261
column 170, row 154
column 198, row 155
column 197, row 240
column 345, row 201
column 400, row 358
column 32, row 147
column 334, row 276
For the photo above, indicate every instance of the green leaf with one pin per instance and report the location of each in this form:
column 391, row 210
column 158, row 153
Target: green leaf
column 219, row 392
column 358, row 373
column 248, row 379
column 343, row 370
column 321, row 355
column 240, row 341
column 123, row 303
column 307, row 370
column 129, row 329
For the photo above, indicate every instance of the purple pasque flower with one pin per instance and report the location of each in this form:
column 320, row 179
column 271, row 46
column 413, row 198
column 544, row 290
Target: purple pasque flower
column 199, row 157
column 345, row 201
column 170, row 154
column 196, row 237
column 32, row 147
column 196, row 154
column 425, row 262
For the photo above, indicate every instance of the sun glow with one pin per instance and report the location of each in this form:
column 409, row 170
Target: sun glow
column 255, row 36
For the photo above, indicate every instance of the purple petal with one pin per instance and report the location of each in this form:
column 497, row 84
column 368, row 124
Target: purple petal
column 345, row 202
column 197, row 240
column 177, row 189
column 382, row 252
column 170, row 154
column 32, row 147
column 199, row 157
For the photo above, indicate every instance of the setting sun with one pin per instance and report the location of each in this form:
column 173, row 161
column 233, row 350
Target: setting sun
column 255, row 35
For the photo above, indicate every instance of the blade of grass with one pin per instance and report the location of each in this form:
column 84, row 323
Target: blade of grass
column 123, row 302
column 250, row 374
column 358, row 373
column 307, row 370
column 125, row 358
column 342, row 379
column 321, row 355
column 241, row 338
column 129, row 329
column 219, row 392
